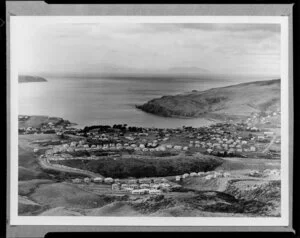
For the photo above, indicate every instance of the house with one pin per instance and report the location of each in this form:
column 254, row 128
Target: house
column 144, row 185
column 185, row 175
column 165, row 185
column 177, row 178
column 154, row 186
column 35, row 150
column 161, row 148
column 254, row 129
column 208, row 177
column 124, row 185
column 226, row 174
column 138, row 192
column 127, row 189
column 132, row 181
column 177, row 147
column 155, row 192
column 76, row 180
column 268, row 133
column 97, row 180
column 87, row 180
column 260, row 138
column 73, row 144
column 252, row 148
column 108, row 180
column 193, row 174
column 145, row 180
column 133, row 186
column 115, row 186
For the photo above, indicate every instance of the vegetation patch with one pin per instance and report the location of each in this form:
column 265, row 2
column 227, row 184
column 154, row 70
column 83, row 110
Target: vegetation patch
column 138, row 167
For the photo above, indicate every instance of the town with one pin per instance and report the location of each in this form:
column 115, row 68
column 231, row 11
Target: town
column 254, row 137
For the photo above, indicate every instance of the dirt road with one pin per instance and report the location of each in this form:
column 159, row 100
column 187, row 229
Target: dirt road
column 45, row 164
column 271, row 143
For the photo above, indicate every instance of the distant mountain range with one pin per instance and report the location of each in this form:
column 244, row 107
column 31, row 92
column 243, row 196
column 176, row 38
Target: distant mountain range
column 29, row 79
column 230, row 102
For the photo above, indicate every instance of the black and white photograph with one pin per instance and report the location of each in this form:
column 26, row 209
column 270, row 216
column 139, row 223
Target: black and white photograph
column 138, row 118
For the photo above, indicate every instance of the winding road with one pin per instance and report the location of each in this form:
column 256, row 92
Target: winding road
column 45, row 164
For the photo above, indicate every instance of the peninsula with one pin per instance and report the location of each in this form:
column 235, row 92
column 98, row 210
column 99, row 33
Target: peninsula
column 30, row 79
column 232, row 102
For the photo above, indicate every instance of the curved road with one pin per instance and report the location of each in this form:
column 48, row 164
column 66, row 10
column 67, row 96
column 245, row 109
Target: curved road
column 45, row 164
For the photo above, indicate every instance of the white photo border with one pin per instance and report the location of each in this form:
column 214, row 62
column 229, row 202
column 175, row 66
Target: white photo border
column 15, row 219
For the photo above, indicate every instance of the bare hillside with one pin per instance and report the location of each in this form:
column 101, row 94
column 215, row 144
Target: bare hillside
column 232, row 101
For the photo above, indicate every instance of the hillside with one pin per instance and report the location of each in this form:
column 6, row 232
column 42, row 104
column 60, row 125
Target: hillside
column 232, row 101
column 39, row 121
column 30, row 79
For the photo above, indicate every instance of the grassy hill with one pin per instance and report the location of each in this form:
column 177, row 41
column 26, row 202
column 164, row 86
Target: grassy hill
column 39, row 121
column 232, row 101
column 29, row 79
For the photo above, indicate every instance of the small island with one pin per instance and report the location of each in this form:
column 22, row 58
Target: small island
column 30, row 79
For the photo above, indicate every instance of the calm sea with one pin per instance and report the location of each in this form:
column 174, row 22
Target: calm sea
column 109, row 101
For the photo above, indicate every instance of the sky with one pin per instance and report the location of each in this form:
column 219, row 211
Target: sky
column 148, row 48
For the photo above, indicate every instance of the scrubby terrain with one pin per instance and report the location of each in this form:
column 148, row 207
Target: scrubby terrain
column 140, row 167
column 233, row 101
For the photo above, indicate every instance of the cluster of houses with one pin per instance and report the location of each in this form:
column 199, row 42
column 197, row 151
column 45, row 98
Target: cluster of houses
column 47, row 128
column 206, row 175
column 83, row 145
column 148, row 185
column 221, row 139
column 264, row 173
column 132, row 186
column 263, row 118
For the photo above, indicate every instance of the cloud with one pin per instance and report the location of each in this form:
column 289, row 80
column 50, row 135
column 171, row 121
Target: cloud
column 150, row 47
column 237, row 27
